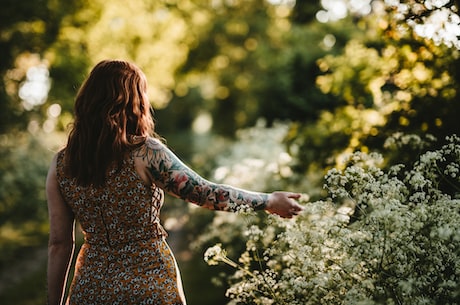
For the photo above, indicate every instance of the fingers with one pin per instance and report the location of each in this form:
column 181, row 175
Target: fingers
column 293, row 209
column 284, row 204
column 294, row 195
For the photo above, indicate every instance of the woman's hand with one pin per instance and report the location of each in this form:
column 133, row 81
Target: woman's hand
column 283, row 204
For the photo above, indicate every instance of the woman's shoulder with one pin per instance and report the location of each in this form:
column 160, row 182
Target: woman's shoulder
column 148, row 148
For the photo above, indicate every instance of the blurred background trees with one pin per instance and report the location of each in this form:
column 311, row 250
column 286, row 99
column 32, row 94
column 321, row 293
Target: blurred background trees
column 335, row 76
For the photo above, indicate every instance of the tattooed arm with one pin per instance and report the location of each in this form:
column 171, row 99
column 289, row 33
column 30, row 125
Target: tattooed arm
column 169, row 173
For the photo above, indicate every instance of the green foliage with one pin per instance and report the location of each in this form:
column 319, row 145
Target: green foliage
column 22, row 194
column 384, row 237
column 23, row 209
column 345, row 85
column 251, row 61
column 27, row 29
column 31, row 291
column 386, row 79
column 404, row 82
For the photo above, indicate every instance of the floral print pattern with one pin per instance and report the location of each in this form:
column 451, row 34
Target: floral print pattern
column 125, row 258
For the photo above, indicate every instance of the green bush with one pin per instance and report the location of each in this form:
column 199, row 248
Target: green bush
column 24, row 162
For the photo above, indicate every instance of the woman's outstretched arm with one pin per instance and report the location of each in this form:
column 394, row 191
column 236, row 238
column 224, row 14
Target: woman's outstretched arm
column 172, row 175
column 61, row 239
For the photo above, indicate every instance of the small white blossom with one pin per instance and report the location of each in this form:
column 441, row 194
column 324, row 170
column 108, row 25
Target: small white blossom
column 214, row 254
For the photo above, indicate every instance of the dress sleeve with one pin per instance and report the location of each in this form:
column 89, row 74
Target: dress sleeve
column 174, row 177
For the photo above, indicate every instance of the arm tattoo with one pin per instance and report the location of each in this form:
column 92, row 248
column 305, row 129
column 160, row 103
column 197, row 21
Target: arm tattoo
column 173, row 176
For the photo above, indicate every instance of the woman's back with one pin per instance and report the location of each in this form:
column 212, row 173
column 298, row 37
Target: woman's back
column 125, row 209
column 124, row 259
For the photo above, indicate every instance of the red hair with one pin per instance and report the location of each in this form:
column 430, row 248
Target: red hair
column 110, row 106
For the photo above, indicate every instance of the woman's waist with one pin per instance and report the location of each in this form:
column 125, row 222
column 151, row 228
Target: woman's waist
column 121, row 237
column 123, row 258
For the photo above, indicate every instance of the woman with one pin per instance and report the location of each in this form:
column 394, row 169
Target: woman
column 110, row 177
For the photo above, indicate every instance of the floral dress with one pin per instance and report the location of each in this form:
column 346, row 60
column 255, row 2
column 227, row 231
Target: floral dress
column 125, row 258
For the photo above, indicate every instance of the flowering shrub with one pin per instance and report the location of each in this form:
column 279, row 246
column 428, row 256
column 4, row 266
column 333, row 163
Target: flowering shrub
column 383, row 237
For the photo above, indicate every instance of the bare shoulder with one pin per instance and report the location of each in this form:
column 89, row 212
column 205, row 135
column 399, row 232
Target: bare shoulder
column 146, row 156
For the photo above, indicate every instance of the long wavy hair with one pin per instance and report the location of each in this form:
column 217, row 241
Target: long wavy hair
column 111, row 107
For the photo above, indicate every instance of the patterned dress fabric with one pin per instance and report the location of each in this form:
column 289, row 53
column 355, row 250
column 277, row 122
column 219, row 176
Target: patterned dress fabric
column 125, row 258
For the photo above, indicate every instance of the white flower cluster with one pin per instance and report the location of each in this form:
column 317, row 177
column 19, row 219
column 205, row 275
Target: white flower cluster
column 214, row 255
column 244, row 209
column 399, row 139
column 386, row 236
